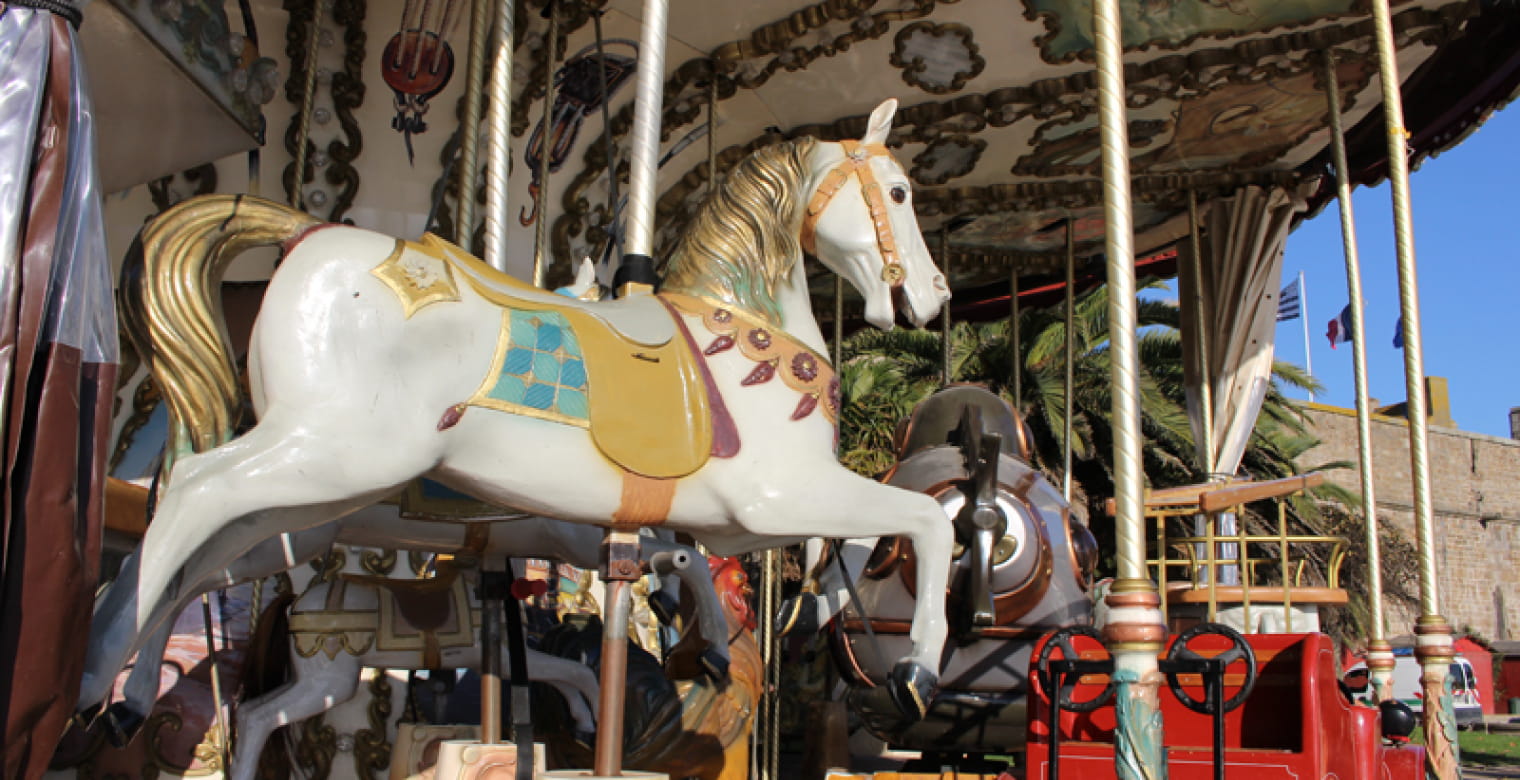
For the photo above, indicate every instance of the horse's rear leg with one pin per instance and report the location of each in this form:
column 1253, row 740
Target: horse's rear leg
column 852, row 506
column 317, row 685
column 279, row 478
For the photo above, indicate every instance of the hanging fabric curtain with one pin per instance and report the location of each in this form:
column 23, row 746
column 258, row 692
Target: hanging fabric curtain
column 58, row 354
column 1242, row 263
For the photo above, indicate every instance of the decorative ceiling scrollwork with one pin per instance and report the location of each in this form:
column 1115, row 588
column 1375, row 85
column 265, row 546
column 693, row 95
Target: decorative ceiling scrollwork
column 832, row 27
column 947, row 158
column 937, row 58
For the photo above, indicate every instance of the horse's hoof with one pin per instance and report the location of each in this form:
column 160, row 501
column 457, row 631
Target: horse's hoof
column 585, row 739
column 714, row 666
column 121, row 724
column 86, row 717
column 798, row 614
column 664, row 607
column 912, row 687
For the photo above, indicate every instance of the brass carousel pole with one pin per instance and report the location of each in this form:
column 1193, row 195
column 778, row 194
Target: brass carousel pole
column 944, row 313
column 308, row 101
column 1380, row 661
column 1207, row 551
column 546, row 147
column 1433, row 642
column 1205, row 379
column 1016, row 359
column 838, row 345
column 1068, row 380
column 469, row 132
column 1135, row 631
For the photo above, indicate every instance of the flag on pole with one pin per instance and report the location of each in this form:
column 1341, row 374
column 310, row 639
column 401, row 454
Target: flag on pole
column 1288, row 303
column 1340, row 328
column 1398, row 334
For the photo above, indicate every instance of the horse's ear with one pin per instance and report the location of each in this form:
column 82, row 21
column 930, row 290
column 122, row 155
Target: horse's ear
column 880, row 123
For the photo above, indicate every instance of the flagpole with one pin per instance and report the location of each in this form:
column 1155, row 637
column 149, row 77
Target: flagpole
column 1303, row 316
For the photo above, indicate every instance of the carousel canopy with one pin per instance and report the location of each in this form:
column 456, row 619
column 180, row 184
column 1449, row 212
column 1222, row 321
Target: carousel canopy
column 999, row 119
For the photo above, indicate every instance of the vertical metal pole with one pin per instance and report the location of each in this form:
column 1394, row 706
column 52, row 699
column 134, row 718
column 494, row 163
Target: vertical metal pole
column 225, row 739
column 944, row 314
column 1135, row 632
column 1069, row 381
column 712, row 130
column 499, row 150
column 638, row 264
column 636, row 274
column 308, row 100
column 1205, row 376
column 1205, row 385
column 1380, row 660
column 612, row 172
column 1015, row 340
column 1303, row 305
column 838, row 344
column 770, row 710
column 608, row 757
column 1433, row 633
column 469, row 133
column 490, row 657
column 545, row 149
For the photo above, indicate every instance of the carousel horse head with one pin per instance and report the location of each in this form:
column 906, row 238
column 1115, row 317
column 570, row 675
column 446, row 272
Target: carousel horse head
column 850, row 204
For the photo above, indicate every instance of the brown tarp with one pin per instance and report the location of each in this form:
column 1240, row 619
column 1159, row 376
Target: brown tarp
column 57, row 370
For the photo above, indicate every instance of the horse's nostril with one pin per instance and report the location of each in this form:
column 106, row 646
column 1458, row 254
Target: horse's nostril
column 939, row 282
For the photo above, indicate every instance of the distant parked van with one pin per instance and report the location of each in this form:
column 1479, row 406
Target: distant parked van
column 1465, row 696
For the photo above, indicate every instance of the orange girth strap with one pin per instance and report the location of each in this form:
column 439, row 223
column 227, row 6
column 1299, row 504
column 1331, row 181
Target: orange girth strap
column 857, row 162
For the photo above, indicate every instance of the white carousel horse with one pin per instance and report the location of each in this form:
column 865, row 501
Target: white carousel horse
column 370, row 352
column 383, row 525
column 339, row 627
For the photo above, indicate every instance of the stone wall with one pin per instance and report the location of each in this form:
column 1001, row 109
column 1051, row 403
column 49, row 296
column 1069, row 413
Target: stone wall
column 1475, row 492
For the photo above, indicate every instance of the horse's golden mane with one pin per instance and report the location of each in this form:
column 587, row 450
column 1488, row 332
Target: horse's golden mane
column 741, row 244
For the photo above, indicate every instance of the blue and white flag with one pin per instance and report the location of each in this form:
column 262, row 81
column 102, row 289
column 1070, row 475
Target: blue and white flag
column 1288, row 305
column 1340, row 328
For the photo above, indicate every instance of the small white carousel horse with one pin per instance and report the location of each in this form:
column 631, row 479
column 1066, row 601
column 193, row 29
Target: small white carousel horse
column 383, row 525
column 337, row 628
column 376, row 360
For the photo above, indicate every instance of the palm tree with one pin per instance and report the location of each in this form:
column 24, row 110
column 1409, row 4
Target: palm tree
column 885, row 374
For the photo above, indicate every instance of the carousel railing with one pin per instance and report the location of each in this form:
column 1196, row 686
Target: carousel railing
column 1273, row 568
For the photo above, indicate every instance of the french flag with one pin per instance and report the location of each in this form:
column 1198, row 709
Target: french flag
column 1340, row 327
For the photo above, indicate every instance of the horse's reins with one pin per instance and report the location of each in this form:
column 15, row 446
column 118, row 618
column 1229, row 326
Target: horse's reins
column 857, row 162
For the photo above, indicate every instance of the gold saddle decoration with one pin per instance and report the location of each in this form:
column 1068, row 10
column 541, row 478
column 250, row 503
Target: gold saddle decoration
column 648, row 409
column 418, row 278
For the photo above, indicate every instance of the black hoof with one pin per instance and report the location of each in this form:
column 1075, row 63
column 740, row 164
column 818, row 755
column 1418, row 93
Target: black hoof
column 798, row 614
column 912, row 688
column 664, row 607
column 714, row 666
column 86, row 717
column 121, row 723
column 586, row 740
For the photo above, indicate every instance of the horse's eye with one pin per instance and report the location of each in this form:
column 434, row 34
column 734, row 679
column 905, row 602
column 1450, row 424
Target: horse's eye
column 899, row 194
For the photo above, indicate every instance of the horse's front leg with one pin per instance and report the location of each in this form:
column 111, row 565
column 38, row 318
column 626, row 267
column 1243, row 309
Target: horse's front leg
column 829, row 573
column 839, row 503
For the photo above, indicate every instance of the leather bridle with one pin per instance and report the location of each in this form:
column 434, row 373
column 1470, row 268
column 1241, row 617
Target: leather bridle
column 857, row 163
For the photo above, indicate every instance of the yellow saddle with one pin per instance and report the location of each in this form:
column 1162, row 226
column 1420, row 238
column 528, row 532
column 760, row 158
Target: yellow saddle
column 630, row 379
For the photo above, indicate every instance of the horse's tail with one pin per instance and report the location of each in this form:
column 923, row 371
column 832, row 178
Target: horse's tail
column 171, row 297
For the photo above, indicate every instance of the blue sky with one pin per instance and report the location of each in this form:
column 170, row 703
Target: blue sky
column 1467, row 250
